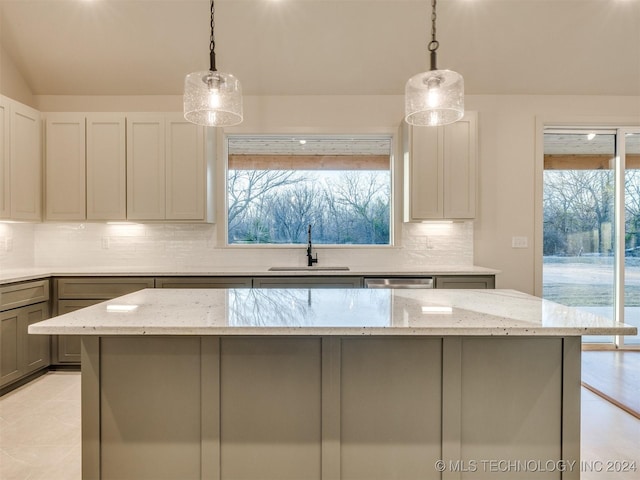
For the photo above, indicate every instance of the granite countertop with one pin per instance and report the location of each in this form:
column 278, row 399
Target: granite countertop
column 23, row 274
column 330, row 312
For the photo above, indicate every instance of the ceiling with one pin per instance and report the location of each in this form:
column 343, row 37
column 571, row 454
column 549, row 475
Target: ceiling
column 323, row 47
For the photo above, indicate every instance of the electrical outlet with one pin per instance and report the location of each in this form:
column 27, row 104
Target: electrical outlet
column 9, row 244
column 105, row 243
column 519, row 242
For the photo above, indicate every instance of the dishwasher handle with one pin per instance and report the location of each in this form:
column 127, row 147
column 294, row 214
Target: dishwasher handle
column 405, row 282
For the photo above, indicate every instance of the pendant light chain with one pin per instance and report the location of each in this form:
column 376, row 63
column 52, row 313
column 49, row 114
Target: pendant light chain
column 212, row 42
column 433, row 44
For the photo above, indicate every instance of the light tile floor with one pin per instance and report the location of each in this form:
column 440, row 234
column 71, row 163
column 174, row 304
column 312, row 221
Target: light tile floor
column 40, row 429
column 40, row 433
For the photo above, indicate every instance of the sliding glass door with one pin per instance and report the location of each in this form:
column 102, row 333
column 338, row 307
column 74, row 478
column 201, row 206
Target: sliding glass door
column 579, row 218
column 591, row 215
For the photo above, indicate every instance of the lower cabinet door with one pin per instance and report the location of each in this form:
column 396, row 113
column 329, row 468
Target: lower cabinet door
column 37, row 348
column 21, row 353
column 67, row 347
column 10, row 352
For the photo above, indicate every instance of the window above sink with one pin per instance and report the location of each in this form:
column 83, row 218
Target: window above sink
column 277, row 185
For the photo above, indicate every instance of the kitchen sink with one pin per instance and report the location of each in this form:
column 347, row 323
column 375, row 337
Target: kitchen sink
column 307, row 269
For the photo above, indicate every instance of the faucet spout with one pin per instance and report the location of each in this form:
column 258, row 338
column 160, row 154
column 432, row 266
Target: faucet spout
column 310, row 259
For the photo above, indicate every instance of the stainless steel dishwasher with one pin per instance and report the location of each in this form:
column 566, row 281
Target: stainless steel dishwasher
column 398, row 282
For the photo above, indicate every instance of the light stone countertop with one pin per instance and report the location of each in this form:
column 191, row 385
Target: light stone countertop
column 24, row 274
column 313, row 312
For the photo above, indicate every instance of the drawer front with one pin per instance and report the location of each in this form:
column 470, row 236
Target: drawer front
column 307, row 282
column 100, row 288
column 21, row 294
column 469, row 282
column 203, row 282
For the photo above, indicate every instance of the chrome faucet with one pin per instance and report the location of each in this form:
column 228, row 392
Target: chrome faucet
column 310, row 259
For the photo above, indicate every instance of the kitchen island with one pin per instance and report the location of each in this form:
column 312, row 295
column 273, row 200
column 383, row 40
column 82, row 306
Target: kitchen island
column 330, row 384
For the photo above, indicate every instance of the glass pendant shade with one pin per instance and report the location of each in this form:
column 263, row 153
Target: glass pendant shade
column 434, row 98
column 213, row 99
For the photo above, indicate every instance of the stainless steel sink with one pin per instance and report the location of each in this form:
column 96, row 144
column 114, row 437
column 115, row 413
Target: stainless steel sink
column 307, row 269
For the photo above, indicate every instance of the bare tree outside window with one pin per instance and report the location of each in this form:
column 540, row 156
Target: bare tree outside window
column 579, row 239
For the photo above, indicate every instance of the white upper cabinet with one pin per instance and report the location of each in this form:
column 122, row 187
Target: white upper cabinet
column 65, row 167
column 5, row 172
column 141, row 166
column 20, row 162
column 185, row 170
column 85, row 166
column 145, row 167
column 440, row 171
column 165, row 168
column 106, row 167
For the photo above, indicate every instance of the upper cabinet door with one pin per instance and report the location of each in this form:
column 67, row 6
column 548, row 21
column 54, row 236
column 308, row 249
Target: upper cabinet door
column 25, row 163
column 106, row 167
column 65, row 166
column 5, row 173
column 440, row 171
column 185, row 175
column 424, row 173
column 145, row 167
column 460, row 163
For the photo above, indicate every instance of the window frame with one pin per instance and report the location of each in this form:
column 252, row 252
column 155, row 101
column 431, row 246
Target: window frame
column 218, row 143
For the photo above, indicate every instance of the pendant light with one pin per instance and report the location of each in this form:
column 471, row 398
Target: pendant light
column 212, row 98
column 435, row 97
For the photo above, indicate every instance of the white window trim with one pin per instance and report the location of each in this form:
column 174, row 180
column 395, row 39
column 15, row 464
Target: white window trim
column 221, row 149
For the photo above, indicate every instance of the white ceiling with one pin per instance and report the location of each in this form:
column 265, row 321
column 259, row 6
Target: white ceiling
column 315, row 47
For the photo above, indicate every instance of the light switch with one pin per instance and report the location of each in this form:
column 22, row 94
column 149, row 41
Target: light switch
column 519, row 242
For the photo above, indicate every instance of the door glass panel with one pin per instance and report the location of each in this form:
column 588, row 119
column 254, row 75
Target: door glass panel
column 632, row 236
column 578, row 244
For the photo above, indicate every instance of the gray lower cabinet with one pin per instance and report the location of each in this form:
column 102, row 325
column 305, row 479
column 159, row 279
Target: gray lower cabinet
column 73, row 293
column 308, row 282
column 466, row 282
column 21, row 353
column 66, row 349
column 203, row 282
column 305, row 407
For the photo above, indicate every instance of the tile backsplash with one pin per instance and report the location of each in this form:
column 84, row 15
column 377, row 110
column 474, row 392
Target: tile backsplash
column 17, row 245
column 193, row 246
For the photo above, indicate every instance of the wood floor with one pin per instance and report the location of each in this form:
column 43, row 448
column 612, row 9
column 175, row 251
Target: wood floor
column 614, row 375
column 40, row 433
